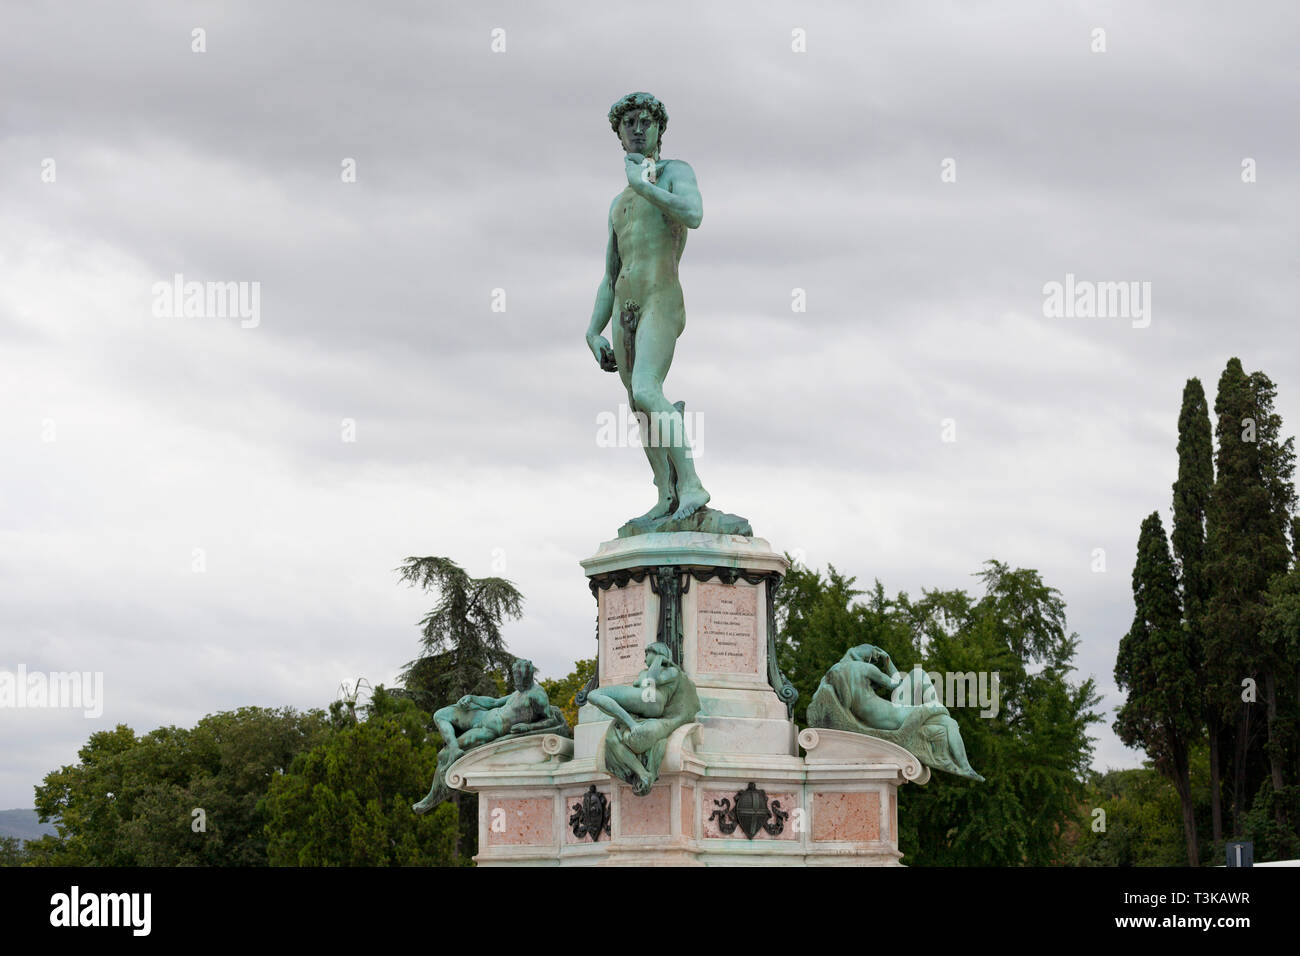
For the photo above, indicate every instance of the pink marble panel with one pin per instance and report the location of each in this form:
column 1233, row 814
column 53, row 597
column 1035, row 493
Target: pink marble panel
column 688, row 812
column 527, row 821
column 848, row 817
column 713, row 830
column 650, row 815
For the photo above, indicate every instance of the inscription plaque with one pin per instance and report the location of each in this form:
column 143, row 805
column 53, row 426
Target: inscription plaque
column 727, row 629
column 623, row 631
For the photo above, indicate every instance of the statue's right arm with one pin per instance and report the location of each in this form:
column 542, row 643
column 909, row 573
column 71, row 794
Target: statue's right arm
column 879, row 677
column 888, row 661
column 603, row 310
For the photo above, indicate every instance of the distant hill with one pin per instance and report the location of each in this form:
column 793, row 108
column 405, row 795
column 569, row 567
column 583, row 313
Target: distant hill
column 24, row 824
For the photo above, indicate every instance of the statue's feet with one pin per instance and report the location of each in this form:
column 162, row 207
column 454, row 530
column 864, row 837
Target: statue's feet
column 642, row 786
column 662, row 509
column 690, row 501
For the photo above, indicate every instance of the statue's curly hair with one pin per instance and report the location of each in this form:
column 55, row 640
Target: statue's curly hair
column 638, row 101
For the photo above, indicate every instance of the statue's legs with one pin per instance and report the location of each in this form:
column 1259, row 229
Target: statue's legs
column 660, row 323
column 462, row 729
column 957, row 747
column 617, row 701
column 451, row 722
column 476, row 736
column 625, row 349
column 438, row 789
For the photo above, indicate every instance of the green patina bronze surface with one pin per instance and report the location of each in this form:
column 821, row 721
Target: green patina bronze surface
column 475, row 720
column 846, row 699
column 661, row 699
column 706, row 519
column 641, row 294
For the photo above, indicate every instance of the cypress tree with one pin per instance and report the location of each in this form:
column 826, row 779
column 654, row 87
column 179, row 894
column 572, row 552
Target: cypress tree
column 1282, row 634
column 1231, row 566
column 1163, row 712
column 1191, row 498
column 1246, row 546
column 1277, row 468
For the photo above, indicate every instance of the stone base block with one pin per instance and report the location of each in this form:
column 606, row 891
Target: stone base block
column 541, row 802
column 747, row 735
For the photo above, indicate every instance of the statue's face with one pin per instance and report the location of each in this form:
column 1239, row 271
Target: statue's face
column 639, row 132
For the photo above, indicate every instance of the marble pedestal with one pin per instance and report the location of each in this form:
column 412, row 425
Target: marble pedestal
column 830, row 797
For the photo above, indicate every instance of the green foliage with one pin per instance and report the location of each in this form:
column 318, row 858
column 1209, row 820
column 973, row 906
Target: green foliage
column 47, row 851
column 347, row 801
column 1281, row 640
column 130, row 801
column 1267, row 826
column 561, row 691
column 1142, row 822
column 463, row 650
column 11, row 851
column 1281, row 643
column 1034, row 751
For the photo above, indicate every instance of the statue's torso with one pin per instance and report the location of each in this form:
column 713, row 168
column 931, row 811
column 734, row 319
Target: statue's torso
column 650, row 243
column 521, row 708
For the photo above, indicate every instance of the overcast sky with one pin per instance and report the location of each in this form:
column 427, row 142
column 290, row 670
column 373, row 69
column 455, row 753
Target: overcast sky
column 131, row 439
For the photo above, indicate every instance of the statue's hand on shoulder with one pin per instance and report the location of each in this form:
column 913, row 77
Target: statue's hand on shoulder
column 603, row 351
